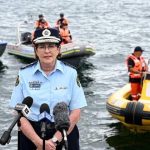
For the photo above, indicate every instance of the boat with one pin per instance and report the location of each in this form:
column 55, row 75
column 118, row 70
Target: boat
column 2, row 47
column 67, row 50
column 24, row 48
column 135, row 115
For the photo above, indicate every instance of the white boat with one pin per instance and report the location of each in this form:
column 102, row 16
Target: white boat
column 23, row 46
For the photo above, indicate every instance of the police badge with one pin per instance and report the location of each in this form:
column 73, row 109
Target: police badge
column 17, row 81
column 78, row 82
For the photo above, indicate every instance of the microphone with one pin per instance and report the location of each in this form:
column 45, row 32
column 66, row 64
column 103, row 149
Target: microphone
column 44, row 113
column 44, row 117
column 23, row 109
column 62, row 121
column 61, row 116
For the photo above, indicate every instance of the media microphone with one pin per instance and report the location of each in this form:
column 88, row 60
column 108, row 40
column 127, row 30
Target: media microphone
column 62, row 121
column 23, row 109
column 44, row 117
column 61, row 116
column 44, row 113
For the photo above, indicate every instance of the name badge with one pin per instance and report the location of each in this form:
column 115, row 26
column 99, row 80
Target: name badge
column 35, row 85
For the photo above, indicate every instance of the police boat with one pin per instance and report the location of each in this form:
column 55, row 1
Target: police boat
column 135, row 115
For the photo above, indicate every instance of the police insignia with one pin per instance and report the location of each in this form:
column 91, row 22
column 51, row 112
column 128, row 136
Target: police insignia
column 17, row 81
column 78, row 82
column 46, row 32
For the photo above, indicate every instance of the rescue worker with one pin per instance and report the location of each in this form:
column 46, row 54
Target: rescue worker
column 49, row 81
column 65, row 34
column 136, row 66
column 61, row 20
column 41, row 23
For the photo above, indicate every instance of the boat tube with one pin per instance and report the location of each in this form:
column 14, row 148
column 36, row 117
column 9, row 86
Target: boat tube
column 135, row 115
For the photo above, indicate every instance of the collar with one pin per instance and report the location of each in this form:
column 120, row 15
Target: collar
column 58, row 66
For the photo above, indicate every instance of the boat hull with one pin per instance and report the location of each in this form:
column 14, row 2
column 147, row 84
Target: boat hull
column 67, row 51
column 70, row 53
column 135, row 115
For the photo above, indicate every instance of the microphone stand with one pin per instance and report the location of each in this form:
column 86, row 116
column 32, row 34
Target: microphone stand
column 65, row 139
column 43, row 131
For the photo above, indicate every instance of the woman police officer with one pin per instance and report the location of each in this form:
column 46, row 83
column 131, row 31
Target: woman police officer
column 49, row 81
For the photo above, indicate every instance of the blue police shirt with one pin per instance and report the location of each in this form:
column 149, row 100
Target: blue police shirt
column 60, row 85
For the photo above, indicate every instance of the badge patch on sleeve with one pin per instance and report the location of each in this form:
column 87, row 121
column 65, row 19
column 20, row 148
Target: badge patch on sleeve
column 78, row 82
column 17, row 81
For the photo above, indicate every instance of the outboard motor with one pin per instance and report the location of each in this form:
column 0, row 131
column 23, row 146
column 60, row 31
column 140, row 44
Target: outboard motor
column 26, row 38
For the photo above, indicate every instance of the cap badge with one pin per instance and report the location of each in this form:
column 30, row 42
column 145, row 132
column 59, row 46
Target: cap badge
column 46, row 32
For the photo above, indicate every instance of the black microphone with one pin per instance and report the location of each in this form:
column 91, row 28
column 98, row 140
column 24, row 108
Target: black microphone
column 44, row 117
column 61, row 116
column 23, row 109
column 62, row 121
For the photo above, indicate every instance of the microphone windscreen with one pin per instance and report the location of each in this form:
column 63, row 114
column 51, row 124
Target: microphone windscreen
column 44, row 107
column 28, row 101
column 61, row 116
column 60, row 107
column 62, row 121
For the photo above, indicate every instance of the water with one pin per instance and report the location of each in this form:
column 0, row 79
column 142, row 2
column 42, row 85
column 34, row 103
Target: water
column 114, row 28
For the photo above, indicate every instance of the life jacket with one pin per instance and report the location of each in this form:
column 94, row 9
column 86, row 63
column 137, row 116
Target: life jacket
column 140, row 65
column 65, row 35
column 42, row 25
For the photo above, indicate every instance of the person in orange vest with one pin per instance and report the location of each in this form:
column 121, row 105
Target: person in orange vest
column 65, row 34
column 136, row 66
column 61, row 20
column 41, row 23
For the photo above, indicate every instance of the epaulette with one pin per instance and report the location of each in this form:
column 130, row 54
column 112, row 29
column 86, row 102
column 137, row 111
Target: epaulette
column 28, row 65
column 68, row 64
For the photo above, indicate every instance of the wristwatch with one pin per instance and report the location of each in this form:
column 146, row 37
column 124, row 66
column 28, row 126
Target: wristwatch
column 55, row 140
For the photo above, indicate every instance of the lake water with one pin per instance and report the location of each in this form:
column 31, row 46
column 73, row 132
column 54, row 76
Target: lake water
column 114, row 28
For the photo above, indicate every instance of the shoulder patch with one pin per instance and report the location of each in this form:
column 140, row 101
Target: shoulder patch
column 78, row 81
column 66, row 63
column 28, row 65
column 17, row 81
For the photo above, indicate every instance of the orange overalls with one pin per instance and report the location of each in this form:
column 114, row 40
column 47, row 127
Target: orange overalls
column 140, row 66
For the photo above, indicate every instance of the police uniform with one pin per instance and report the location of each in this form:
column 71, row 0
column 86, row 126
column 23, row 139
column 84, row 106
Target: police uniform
column 61, row 85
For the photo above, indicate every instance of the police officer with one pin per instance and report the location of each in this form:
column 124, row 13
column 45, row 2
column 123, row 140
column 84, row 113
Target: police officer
column 49, row 81
column 136, row 66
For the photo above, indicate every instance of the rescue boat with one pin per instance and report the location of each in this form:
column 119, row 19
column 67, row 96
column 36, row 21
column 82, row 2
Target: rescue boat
column 23, row 46
column 135, row 115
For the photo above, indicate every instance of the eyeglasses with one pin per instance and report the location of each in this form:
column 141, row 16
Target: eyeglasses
column 46, row 46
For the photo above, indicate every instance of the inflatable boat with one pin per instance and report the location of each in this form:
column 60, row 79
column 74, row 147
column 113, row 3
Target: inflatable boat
column 23, row 46
column 135, row 115
column 67, row 50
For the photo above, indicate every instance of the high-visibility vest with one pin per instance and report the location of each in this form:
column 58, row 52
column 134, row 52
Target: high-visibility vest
column 39, row 24
column 140, row 66
column 65, row 34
